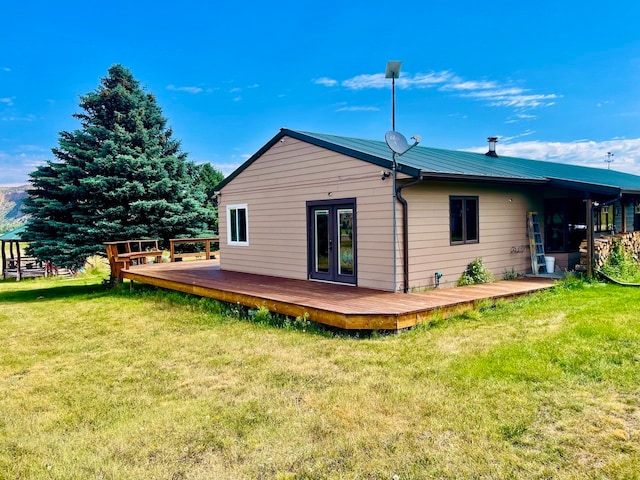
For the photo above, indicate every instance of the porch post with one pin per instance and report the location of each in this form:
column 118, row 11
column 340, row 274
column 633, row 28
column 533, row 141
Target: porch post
column 589, row 206
column 19, row 272
column 623, row 209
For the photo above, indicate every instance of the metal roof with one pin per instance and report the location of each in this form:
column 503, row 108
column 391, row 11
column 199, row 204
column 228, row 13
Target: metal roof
column 14, row 235
column 444, row 164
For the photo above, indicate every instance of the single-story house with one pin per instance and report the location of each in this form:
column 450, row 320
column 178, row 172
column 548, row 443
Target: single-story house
column 325, row 208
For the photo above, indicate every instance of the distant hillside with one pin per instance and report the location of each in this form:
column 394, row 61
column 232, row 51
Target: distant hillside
column 11, row 199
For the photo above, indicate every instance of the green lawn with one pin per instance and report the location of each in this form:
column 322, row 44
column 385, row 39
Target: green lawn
column 99, row 384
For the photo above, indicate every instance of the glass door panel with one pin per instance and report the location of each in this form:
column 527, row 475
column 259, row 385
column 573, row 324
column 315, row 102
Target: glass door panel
column 345, row 241
column 332, row 241
column 322, row 241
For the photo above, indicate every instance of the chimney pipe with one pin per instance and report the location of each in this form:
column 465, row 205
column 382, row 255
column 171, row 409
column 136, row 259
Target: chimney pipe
column 492, row 146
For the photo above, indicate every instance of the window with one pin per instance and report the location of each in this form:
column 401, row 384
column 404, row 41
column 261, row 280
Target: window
column 463, row 214
column 237, row 225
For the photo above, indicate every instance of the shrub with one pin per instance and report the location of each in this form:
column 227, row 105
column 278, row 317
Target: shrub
column 475, row 273
column 510, row 274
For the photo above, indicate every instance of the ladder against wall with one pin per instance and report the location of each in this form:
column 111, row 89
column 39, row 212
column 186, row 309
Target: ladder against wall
column 535, row 244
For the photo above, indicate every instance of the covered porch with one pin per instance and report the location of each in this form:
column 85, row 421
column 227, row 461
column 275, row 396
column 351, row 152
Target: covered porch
column 14, row 263
column 336, row 305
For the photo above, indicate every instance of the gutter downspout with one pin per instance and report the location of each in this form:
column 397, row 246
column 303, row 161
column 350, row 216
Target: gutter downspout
column 405, row 231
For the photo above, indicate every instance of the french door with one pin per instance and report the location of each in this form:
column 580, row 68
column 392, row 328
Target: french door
column 331, row 240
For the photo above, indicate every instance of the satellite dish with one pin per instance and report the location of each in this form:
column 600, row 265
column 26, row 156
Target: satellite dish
column 396, row 141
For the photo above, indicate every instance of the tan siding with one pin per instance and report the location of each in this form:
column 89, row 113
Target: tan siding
column 276, row 188
column 503, row 241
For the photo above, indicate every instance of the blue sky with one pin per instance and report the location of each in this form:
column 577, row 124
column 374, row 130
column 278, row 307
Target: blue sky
column 554, row 80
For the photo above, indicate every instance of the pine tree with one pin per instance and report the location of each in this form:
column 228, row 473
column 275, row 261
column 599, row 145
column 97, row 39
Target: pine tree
column 121, row 176
column 209, row 178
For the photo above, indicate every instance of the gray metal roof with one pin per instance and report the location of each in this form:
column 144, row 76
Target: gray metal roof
column 453, row 164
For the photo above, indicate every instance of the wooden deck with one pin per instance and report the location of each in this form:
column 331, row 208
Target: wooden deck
column 342, row 306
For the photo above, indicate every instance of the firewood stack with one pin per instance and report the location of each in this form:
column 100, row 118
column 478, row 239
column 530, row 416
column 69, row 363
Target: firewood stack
column 603, row 245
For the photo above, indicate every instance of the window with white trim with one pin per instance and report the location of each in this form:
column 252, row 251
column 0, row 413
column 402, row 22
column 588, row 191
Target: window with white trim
column 237, row 224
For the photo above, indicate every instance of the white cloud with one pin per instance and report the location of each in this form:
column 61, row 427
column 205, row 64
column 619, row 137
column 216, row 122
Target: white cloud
column 327, row 82
column 472, row 85
column 8, row 101
column 358, row 109
column 192, row 90
column 17, row 166
column 13, row 118
column 360, row 82
column 490, row 92
column 587, row 153
column 526, row 133
column 6, row 69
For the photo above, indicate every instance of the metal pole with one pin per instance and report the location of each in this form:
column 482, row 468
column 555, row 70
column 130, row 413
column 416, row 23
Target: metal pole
column 393, row 101
column 395, row 260
column 393, row 183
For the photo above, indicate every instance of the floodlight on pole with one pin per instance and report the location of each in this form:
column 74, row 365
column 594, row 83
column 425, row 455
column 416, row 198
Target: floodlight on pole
column 393, row 72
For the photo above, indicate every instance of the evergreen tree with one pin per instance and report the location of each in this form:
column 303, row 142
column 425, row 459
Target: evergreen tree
column 121, row 176
column 209, row 179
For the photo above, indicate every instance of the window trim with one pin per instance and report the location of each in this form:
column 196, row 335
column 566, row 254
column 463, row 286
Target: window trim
column 464, row 199
column 230, row 209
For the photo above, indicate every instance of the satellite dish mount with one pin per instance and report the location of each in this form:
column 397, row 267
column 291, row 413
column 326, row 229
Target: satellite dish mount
column 398, row 144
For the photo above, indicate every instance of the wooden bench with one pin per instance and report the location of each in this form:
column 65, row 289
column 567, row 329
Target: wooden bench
column 123, row 254
column 179, row 256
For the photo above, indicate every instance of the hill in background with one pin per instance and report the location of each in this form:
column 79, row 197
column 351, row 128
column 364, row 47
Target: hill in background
column 11, row 215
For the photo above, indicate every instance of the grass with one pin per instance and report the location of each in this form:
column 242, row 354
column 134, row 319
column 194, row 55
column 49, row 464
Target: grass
column 112, row 384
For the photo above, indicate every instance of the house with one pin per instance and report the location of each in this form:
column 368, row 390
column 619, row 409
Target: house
column 324, row 207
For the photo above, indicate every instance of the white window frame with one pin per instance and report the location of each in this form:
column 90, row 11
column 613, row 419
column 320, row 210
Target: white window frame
column 230, row 209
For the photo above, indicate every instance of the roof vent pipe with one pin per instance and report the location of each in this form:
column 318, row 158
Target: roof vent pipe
column 492, row 146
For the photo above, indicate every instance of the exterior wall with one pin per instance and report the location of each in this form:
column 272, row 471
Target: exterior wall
column 276, row 188
column 503, row 240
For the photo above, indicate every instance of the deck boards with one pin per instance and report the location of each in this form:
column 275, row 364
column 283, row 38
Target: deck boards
column 337, row 305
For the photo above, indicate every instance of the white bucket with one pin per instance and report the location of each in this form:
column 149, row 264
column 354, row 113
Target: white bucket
column 550, row 263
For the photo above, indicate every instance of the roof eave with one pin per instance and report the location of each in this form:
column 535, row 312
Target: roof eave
column 464, row 177
column 586, row 187
column 284, row 132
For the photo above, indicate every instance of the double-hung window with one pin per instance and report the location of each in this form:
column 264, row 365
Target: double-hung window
column 463, row 217
column 237, row 225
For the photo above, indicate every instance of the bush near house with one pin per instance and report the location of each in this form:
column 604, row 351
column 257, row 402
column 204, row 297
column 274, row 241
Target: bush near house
column 475, row 273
